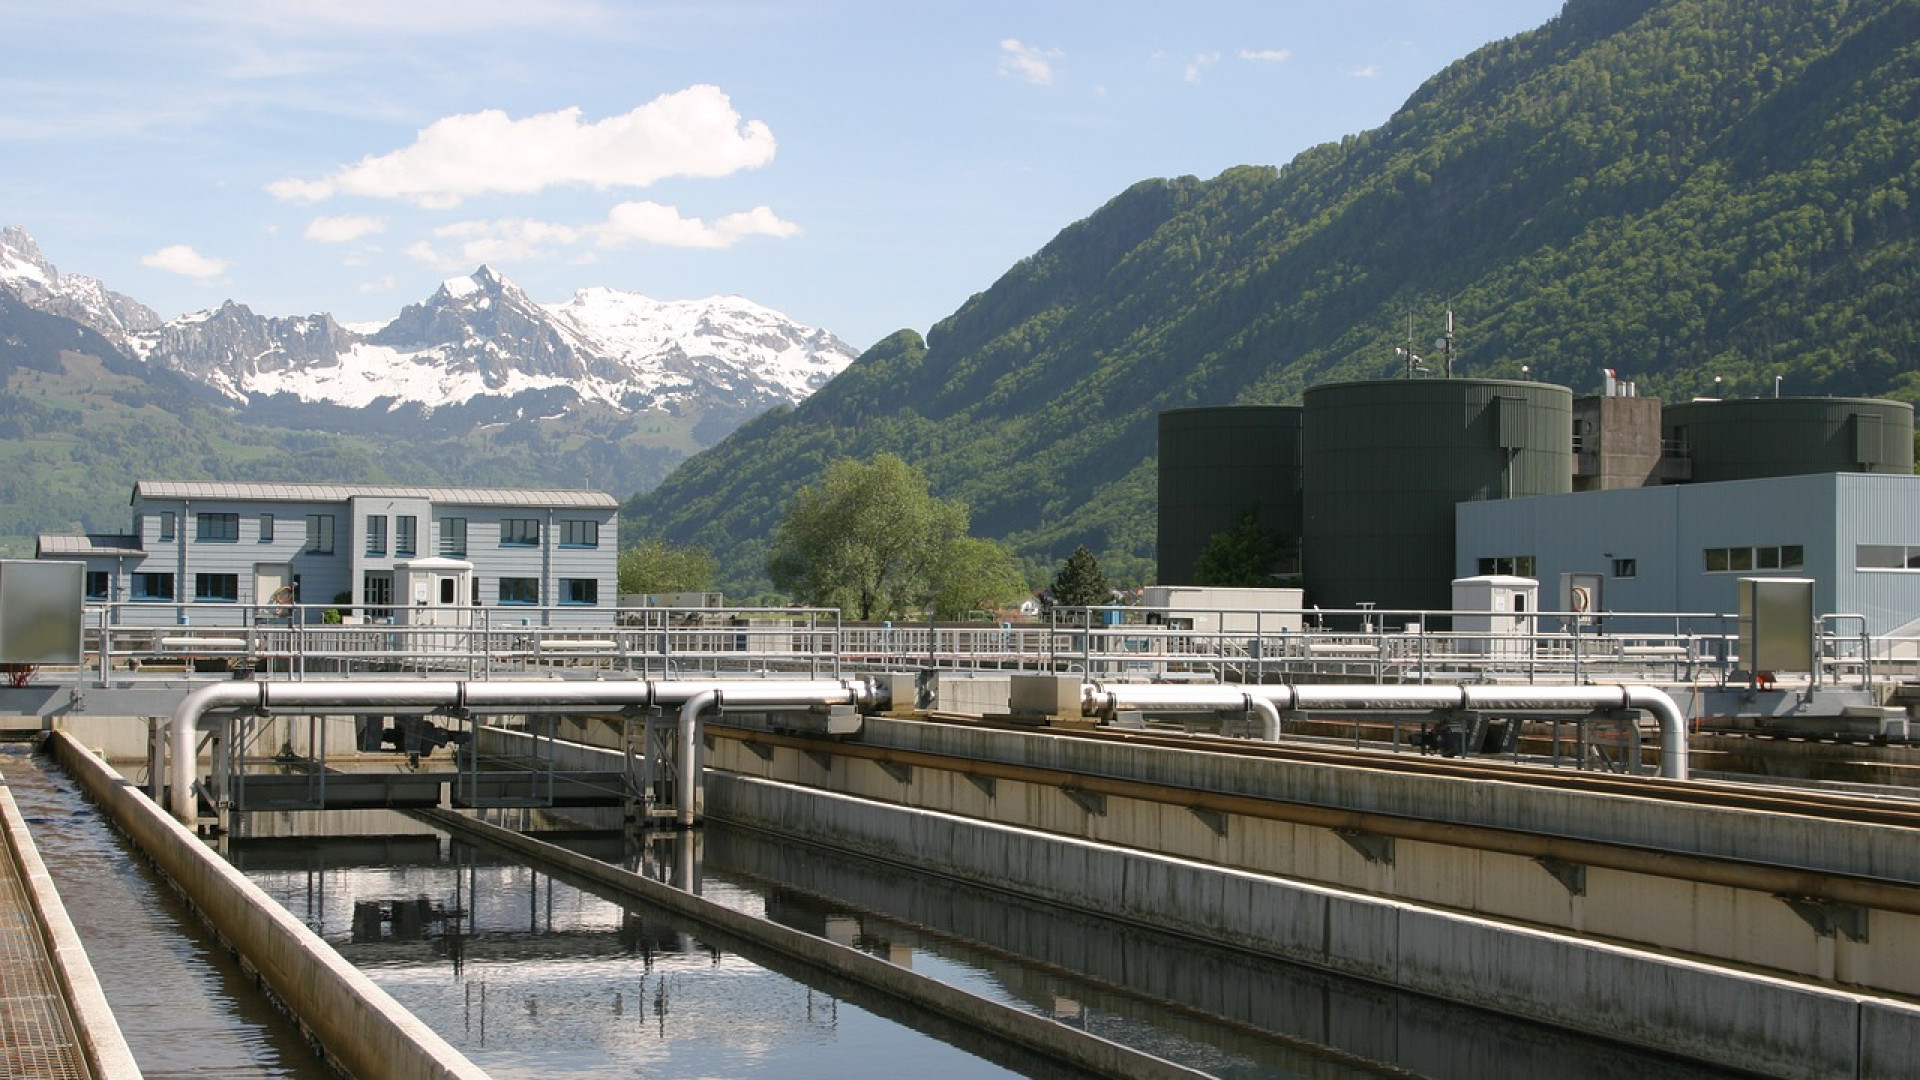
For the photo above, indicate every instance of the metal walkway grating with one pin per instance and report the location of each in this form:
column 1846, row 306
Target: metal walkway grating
column 36, row 1035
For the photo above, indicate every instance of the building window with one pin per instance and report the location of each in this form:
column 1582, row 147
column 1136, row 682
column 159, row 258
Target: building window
column 320, row 534
column 222, row 588
column 579, row 590
column 1887, row 557
column 99, row 584
column 1623, row 568
column 520, row 532
column 166, row 526
column 584, row 534
column 519, row 590
column 376, row 588
column 405, row 528
column 266, row 528
column 376, row 534
column 453, row 538
column 1744, row 560
column 148, row 586
column 1507, row 566
column 218, row 528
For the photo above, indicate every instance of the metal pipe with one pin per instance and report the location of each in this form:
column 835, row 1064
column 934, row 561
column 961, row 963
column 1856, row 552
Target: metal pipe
column 1105, row 700
column 362, row 695
column 689, row 751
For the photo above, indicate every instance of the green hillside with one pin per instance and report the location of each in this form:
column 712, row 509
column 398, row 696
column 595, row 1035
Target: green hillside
column 1678, row 190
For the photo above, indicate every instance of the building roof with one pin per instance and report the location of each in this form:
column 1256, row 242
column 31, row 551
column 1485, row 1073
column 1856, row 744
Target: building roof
column 446, row 496
column 53, row 545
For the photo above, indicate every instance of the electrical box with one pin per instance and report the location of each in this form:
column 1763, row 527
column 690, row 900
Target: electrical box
column 1776, row 624
column 40, row 611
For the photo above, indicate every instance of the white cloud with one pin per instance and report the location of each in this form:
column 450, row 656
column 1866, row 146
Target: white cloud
column 1365, row 71
column 1199, row 64
column 1267, row 56
column 468, row 243
column 339, row 230
column 1027, row 62
column 464, row 244
column 652, row 223
column 182, row 259
column 693, row 132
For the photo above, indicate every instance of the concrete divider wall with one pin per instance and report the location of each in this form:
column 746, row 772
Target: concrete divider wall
column 1774, row 1027
column 102, row 1045
column 1829, row 846
column 360, row 1027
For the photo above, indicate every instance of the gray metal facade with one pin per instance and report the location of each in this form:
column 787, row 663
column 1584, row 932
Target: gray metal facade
column 1216, row 465
column 238, row 543
column 1749, row 438
column 1385, row 463
column 1679, row 548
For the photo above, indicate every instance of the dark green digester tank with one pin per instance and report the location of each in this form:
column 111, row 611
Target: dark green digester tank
column 1385, row 462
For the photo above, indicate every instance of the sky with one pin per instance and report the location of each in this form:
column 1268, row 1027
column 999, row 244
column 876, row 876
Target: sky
column 858, row 166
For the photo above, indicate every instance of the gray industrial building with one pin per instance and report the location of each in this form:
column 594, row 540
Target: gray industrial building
column 1406, row 485
column 256, row 544
column 1685, row 547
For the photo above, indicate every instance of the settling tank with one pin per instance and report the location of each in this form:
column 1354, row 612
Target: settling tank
column 1216, row 465
column 1753, row 438
column 1386, row 461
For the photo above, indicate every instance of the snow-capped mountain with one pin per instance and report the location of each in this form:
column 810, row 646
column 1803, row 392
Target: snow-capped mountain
column 73, row 296
column 477, row 339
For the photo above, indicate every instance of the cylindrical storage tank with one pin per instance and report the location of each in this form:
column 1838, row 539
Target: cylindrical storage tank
column 1750, row 438
column 1218, row 464
column 1385, row 463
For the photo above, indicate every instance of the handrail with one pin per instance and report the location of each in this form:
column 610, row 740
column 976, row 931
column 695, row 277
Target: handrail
column 292, row 644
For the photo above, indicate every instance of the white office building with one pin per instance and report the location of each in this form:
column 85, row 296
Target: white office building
column 200, row 550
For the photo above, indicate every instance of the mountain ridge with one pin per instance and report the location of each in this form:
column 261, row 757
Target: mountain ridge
column 1678, row 189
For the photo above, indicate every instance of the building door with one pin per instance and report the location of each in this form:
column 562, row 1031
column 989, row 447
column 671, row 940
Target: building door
column 273, row 587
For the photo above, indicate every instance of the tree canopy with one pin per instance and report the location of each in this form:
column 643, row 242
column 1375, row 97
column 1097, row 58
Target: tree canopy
column 655, row 566
column 868, row 539
column 1080, row 582
column 1246, row 556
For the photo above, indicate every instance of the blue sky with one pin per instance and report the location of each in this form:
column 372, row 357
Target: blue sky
column 859, row 166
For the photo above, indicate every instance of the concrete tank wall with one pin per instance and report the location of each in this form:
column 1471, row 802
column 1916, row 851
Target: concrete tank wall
column 1216, row 465
column 1773, row 1027
column 1385, row 462
column 1753, row 438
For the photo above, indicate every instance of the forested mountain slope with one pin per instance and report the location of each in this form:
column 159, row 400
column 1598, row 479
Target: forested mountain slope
column 1677, row 189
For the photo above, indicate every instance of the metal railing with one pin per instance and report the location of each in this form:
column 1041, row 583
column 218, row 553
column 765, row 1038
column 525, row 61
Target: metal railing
column 123, row 641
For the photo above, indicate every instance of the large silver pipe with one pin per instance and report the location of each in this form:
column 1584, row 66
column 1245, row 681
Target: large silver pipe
column 1101, row 699
column 369, row 695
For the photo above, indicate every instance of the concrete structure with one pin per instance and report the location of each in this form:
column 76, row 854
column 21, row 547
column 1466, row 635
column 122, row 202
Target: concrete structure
column 1216, row 466
column 1684, row 548
column 1387, row 461
column 359, row 1024
column 277, row 545
column 1617, row 442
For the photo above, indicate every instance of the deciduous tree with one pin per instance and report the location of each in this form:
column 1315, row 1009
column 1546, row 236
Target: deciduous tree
column 867, row 539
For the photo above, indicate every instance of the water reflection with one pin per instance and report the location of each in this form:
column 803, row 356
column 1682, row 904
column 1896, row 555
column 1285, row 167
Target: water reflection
column 532, row 976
